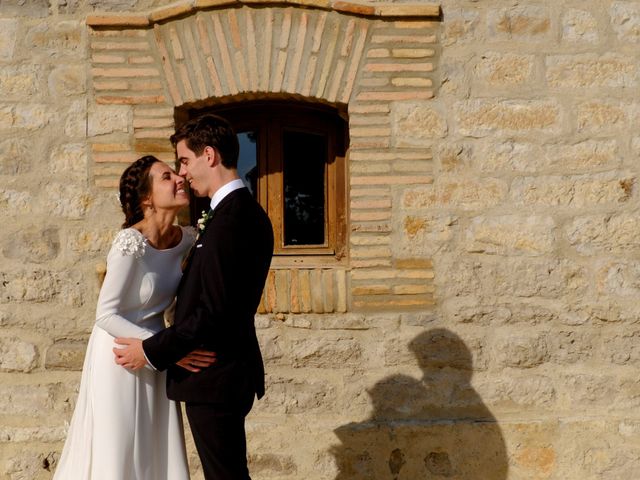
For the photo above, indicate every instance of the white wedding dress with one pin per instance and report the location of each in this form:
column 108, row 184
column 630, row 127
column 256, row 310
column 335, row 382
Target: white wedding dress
column 123, row 426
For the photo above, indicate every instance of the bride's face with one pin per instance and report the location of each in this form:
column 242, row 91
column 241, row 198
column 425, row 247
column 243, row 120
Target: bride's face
column 167, row 187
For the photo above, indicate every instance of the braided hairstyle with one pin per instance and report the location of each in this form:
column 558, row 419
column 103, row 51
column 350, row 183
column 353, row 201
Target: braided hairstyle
column 135, row 186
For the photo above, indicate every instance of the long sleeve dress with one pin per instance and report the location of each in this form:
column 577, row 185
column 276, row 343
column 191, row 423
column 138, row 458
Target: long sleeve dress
column 123, row 426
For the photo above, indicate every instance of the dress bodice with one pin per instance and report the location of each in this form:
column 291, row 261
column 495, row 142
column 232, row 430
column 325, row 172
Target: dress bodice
column 140, row 284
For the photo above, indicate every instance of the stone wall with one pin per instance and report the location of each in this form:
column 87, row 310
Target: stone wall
column 522, row 365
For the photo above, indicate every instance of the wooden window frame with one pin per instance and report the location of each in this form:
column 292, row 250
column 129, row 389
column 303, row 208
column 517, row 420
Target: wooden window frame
column 270, row 119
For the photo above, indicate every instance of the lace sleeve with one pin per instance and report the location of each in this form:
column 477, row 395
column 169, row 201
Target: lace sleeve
column 130, row 242
column 122, row 264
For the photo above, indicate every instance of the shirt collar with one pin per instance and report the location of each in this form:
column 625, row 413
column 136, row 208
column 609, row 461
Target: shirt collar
column 225, row 190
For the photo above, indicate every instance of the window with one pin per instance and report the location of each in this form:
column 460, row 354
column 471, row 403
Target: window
column 292, row 159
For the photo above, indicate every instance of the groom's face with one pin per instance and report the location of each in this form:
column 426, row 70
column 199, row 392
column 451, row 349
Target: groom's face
column 193, row 168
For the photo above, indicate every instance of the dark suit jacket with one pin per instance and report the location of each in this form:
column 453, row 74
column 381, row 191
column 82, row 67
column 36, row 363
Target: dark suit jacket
column 217, row 300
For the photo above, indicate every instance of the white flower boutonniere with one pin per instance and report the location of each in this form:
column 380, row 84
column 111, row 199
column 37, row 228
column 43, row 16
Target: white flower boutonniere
column 203, row 220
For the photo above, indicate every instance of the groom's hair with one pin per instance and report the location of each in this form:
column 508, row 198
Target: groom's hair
column 210, row 131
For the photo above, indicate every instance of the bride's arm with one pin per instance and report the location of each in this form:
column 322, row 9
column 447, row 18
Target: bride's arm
column 121, row 268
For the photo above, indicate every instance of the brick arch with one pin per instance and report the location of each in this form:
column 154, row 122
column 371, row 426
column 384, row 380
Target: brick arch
column 311, row 53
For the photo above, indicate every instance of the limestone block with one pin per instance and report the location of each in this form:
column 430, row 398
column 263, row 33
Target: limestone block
column 625, row 20
column 39, row 286
column 578, row 191
column 452, row 157
column 480, row 118
column 471, row 310
column 25, row 8
column 418, row 236
column 455, row 79
column 31, row 463
column 579, row 26
column 103, row 119
column 347, row 321
column 20, row 82
column 75, row 125
column 461, row 26
column 511, row 235
column 590, row 155
column 32, row 434
column 520, row 277
column 32, row 400
column 601, row 115
column 606, row 311
column 291, row 396
column 623, row 349
column 271, row 464
column 14, row 158
column 635, row 145
column 8, row 30
column 32, row 244
column 66, row 355
column 67, row 80
column 86, row 241
column 67, row 201
column 498, row 69
column 58, row 39
column 508, row 156
column 514, row 393
column 420, row 319
column 571, row 346
column 115, row 5
column 591, row 70
column 16, row 202
column 69, row 160
column 534, row 450
column 417, row 123
column 521, row 350
column 17, row 355
column 619, row 278
column 456, row 192
column 7, row 116
column 520, row 23
column 338, row 352
column 628, row 388
column 587, row 390
column 618, row 234
column 33, row 116
column 270, row 345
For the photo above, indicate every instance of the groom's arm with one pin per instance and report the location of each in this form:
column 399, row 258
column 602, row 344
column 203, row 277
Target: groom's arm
column 131, row 356
column 171, row 344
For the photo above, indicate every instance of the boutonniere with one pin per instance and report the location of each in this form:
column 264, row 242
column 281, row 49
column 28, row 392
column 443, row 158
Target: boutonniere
column 203, row 220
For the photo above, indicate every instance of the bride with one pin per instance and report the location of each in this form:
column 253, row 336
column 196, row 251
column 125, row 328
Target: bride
column 123, row 426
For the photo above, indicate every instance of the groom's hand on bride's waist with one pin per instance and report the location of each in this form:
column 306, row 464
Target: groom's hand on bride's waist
column 130, row 355
column 197, row 360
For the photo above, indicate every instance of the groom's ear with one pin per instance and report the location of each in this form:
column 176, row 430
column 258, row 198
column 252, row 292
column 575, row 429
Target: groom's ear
column 212, row 156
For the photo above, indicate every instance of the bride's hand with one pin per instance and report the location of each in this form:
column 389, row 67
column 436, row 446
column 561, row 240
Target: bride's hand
column 197, row 360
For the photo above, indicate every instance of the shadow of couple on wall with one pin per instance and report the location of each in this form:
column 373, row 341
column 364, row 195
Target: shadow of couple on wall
column 435, row 427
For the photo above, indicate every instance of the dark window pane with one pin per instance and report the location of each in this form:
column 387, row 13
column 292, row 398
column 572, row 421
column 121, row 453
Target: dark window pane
column 248, row 161
column 304, row 156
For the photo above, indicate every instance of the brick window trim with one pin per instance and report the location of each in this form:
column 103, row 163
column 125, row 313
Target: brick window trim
column 146, row 66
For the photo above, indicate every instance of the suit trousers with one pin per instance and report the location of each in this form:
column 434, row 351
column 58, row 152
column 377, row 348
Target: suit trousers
column 219, row 435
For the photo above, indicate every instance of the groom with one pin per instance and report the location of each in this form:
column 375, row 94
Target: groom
column 217, row 300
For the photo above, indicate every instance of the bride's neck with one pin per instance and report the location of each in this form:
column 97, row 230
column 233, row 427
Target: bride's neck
column 158, row 229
